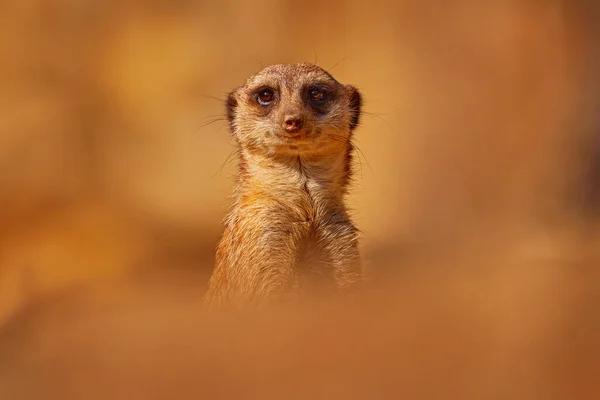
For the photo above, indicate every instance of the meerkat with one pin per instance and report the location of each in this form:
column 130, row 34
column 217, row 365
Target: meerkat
column 289, row 229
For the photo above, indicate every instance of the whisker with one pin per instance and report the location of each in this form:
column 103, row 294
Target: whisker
column 226, row 162
column 221, row 127
column 361, row 165
column 378, row 116
column 336, row 64
column 209, row 121
column 360, row 152
column 212, row 97
column 259, row 61
column 342, row 139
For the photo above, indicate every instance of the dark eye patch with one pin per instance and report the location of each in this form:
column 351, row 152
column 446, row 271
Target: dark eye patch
column 319, row 95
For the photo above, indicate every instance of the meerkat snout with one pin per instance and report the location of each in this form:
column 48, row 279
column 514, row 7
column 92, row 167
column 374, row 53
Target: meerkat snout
column 293, row 123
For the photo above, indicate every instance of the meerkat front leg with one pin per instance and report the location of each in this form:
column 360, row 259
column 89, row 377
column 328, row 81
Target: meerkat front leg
column 256, row 259
column 340, row 244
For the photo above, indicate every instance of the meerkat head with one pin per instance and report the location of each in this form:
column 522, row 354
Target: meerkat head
column 293, row 109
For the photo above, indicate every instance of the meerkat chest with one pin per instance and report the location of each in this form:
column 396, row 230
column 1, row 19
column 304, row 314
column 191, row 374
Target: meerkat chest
column 311, row 199
column 292, row 198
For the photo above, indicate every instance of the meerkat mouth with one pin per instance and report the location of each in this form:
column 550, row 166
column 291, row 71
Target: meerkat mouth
column 303, row 135
column 296, row 142
column 296, row 137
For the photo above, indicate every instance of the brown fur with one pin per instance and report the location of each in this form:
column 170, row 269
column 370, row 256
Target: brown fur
column 289, row 227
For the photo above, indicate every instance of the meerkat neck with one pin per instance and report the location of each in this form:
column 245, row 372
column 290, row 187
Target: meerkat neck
column 328, row 174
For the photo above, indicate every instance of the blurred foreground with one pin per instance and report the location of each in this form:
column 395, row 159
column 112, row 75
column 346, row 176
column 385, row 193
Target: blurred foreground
column 477, row 189
column 466, row 328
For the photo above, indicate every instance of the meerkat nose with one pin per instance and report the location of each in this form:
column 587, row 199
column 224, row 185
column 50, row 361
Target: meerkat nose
column 292, row 123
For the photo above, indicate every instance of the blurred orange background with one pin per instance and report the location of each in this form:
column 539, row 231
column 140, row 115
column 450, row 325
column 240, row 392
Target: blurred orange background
column 479, row 144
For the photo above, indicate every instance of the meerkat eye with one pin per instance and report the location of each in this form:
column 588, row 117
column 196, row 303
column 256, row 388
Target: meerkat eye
column 265, row 97
column 317, row 95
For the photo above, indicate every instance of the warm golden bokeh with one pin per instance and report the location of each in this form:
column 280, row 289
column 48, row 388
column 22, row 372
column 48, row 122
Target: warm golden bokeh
column 477, row 190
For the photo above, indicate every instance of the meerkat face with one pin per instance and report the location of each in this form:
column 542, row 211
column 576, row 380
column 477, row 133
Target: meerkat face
column 293, row 109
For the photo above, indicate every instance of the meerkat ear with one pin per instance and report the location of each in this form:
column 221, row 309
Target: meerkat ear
column 355, row 106
column 231, row 106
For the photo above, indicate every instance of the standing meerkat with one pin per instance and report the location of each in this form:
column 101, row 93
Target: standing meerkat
column 289, row 228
